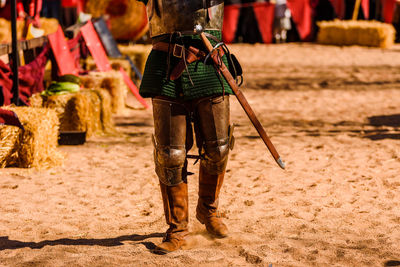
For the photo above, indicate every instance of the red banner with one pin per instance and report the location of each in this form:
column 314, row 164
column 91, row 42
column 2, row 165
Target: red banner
column 265, row 17
column 388, row 7
column 231, row 17
column 302, row 17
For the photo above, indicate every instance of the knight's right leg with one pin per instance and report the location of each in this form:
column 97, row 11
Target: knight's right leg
column 170, row 163
column 213, row 127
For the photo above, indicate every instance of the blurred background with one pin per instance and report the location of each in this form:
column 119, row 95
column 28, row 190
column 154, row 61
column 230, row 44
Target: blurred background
column 247, row 21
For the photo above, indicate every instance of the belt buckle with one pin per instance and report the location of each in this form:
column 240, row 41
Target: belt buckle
column 179, row 54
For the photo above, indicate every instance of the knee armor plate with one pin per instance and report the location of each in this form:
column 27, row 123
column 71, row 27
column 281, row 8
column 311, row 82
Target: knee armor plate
column 215, row 155
column 170, row 163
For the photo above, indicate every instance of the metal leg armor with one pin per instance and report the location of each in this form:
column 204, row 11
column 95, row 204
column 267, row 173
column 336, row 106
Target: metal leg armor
column 170, row 144
column 216, row 139
column 212, row 133
column 170, row 141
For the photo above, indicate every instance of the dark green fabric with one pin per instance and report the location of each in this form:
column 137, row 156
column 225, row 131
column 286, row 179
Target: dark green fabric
column 206, row 81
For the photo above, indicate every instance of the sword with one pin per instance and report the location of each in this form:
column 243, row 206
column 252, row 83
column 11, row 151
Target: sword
column 240, row 97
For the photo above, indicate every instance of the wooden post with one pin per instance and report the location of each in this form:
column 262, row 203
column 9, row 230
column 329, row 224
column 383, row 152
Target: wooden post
column 15, row 55
column 356, row 9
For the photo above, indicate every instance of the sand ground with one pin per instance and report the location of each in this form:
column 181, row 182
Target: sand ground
column 333, row 114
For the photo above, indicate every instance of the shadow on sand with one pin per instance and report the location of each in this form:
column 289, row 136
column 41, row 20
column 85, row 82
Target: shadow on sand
column 384, row 120
column 392, row 263
column 6, row 243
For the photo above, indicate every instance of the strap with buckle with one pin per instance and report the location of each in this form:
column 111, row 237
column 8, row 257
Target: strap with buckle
column 179, row 48
column 191, row 55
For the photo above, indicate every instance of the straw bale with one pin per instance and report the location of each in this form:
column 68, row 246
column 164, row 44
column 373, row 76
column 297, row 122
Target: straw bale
column 106, row 110
column 36, row 100
column 138, row 53
column 94, row 126
column 116, row 64
column 86, row 111
column 128, row 18
column 37, row 145
column 49, row 25
column 113, row 82
column 364, row 33
column 5, row 33
column 72, row 110
column 5, row 30
column 8, row 143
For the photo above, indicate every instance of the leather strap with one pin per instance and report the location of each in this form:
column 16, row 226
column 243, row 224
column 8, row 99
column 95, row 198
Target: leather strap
column 190, row 55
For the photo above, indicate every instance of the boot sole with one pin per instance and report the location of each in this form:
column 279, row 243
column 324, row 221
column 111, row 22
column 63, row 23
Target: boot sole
column 159, row 251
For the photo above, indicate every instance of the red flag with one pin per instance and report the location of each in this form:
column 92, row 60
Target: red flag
column 339, row 7
column 365, row 8
column 388, row 7
column 265, row 17
column 231, row 17
column 301, row 14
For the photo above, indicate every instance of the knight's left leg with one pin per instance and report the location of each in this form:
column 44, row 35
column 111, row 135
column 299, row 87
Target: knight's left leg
column 213, row 128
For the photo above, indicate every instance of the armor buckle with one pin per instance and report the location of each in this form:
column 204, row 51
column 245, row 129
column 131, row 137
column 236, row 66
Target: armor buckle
column 178, row 53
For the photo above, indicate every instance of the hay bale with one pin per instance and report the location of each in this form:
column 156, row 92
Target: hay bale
column 5, row 33
column 37, row 145
column 5, row 30
column 128, row 18
column 138, row 53
column 360, row 32
column 106, row 110
column 113, row 82
column 86, row 111
column 116, row 64
column 71, row 109
column 94, row 126
column 36, row 100
column 9, row 135
column 49, row 25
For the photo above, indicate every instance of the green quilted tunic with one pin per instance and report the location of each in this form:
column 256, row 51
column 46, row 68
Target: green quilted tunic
column 199, row 80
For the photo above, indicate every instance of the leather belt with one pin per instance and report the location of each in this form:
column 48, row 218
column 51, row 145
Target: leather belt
column 187, row 56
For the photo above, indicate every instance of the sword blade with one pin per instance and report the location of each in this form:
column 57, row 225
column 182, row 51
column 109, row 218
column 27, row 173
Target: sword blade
column 243, row 102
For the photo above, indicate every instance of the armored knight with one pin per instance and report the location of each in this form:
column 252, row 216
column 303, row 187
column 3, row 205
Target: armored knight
column 187, row 91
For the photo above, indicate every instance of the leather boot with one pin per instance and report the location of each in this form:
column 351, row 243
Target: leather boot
column 175, row 200
column 206, row 211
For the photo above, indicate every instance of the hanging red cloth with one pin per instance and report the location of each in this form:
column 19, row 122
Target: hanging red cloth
column 5, row 84
column 69, row 3
column 81, row 6
column 5, row 12
column 339, row 7
column 302, row 16
column 388, row 7
column 30, row 78
column 32, row 74
column 229, row 27
column 265, row 17
column 365, row 8
column 264, row 13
